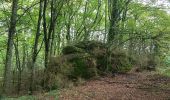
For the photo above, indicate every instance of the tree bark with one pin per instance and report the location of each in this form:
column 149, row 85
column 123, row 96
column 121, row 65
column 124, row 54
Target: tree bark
column 45, row 34
column 35, row 49
column 8, row 63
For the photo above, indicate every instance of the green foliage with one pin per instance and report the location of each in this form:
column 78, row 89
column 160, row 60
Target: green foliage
column 56, row 75
column 167, row 72
column 83, row 67
column 21, row 98
column 47, row 96
column 71, row 49
column 164, row 70
column 120, row 61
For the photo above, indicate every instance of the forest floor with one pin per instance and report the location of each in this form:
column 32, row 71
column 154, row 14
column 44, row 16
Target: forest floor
column 131, row 86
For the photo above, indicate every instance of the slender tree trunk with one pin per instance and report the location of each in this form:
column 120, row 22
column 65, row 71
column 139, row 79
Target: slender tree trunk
column 35, row 49
column 7, row 73
column 51, row 32
column 18, row 64
column 52, row 50
column 68, row 37
column 113, row 10
column 45, row 34
column 113, row 18
column 48, row 35
column 21, row 68
column 115, row 15
column 106, row 15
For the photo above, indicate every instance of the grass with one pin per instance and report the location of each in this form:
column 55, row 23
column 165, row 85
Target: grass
column 21, row 98
column 52, row 95
column 164, row 71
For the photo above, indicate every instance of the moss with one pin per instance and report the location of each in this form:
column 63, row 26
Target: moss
column 80, row 69
column 72, row 49
column 121, row 62
column 88, row 46
column 68, row 68
column 84, row 60
column 83, row 66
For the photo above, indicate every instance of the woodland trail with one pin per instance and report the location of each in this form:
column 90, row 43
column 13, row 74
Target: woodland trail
column 132, row 86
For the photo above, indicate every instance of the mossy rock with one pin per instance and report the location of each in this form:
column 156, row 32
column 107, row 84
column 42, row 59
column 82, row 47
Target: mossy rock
column 84, row 66
column 72, row 66
column 90, row 45
column 85, row 60
column 121, row 62
column 71, row 50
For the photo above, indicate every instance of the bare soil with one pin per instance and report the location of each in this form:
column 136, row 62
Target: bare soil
column 131, row 86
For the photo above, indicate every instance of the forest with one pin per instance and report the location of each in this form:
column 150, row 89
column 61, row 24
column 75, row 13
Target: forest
column 84, row 49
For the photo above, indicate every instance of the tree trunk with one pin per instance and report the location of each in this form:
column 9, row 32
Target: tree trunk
column 35, row 51
column 18, row 64
column 45, row 34
column 7, row 73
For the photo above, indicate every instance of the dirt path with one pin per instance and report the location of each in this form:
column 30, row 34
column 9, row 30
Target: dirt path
column 132, row 86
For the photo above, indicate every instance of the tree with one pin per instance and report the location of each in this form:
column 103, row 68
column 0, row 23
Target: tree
column 35, row 48
column 116, row 9
column 7, row 73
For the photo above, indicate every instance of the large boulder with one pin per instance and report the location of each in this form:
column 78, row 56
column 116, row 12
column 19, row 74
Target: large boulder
column 85, row 60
